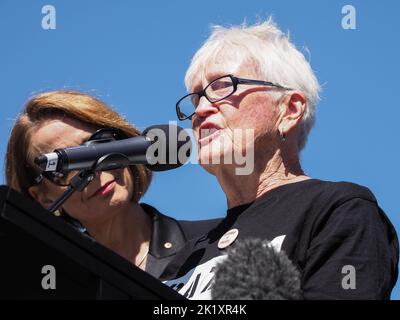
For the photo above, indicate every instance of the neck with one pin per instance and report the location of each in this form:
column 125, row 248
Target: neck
column 270, row 171
column 127, row 233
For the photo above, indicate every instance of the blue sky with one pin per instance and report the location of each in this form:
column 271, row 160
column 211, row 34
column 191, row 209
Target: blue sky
column 133, row 55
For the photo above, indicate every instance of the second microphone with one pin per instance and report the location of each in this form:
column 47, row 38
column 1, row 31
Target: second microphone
column 160, row 147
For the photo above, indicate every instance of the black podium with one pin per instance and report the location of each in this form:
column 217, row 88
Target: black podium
column 35, row 244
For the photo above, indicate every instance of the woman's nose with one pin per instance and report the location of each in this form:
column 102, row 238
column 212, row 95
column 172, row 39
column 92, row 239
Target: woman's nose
column 205, row 108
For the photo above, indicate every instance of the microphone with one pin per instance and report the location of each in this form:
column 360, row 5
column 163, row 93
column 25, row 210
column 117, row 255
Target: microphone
column 254, row 270
column 160, row 147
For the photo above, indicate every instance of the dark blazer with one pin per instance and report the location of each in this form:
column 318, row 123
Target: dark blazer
column 169, row 236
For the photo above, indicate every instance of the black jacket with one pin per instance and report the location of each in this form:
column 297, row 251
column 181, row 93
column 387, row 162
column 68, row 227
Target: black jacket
column 169, row 236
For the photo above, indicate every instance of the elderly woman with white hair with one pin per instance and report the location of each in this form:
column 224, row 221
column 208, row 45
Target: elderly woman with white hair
column 251, row 91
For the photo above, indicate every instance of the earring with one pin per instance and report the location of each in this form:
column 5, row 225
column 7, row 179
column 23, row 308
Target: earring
column 283, row 136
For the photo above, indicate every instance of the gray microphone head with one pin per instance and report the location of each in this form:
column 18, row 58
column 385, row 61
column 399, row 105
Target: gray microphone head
column 254, row 270
column 171, row 147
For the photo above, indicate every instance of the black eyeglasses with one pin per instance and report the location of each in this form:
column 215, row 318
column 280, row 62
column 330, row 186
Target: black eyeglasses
column 217, row 90
column 63, row 179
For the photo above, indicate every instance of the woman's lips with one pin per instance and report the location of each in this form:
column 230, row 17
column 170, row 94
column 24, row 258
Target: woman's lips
column 106, row 189
column 207, row 135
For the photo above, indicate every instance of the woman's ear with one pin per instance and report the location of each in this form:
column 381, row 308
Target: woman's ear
column 294, row 106
column 39, row 196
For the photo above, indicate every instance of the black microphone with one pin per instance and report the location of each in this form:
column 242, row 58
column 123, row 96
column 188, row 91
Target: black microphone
column 254, row 270
column 160, row 147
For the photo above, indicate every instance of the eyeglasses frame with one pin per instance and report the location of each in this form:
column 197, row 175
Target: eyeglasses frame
column 235, row 81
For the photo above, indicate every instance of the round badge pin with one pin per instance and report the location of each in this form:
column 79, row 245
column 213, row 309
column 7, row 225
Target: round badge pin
column 168, row 245
column 228, row 238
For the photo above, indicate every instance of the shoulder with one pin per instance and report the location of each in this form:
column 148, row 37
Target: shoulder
column 347, row 206
column 337, row 193
column 317, row 199
column 348, row 189
column 338, row 205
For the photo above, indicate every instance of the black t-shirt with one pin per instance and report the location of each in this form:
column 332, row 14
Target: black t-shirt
column 322, row 226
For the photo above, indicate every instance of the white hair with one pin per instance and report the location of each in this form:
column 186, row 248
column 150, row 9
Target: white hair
column 275, row 59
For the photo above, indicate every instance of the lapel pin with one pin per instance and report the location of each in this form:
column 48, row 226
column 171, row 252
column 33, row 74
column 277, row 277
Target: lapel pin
column 228, row 238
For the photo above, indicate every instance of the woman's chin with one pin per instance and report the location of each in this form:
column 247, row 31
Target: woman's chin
column 106, row 209
column 214, row 156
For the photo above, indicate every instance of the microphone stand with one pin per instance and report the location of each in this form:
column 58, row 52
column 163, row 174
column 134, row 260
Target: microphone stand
column 84, row 177
column 78, row 183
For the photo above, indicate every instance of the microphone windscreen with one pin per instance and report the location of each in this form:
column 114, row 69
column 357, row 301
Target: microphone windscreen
column 171, row 147
column 254, row 270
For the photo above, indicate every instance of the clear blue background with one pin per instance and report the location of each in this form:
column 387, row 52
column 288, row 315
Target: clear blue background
column 133, row 55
